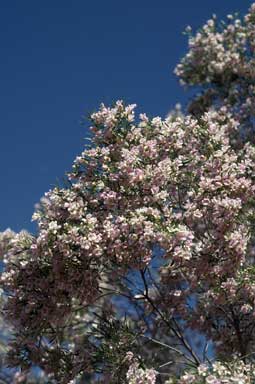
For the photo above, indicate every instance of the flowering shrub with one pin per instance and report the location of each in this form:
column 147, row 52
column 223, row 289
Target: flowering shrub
column 144, row 265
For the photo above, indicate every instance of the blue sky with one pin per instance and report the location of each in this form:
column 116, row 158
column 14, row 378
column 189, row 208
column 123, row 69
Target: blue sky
column 60, row 59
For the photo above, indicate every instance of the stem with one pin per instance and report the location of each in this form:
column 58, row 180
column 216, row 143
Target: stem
column 177, row 332
column 169, row 347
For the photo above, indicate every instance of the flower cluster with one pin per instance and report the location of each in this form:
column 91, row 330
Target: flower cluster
column 5, row 240
column 220, row 373
column 221, row 60
column 138, row 375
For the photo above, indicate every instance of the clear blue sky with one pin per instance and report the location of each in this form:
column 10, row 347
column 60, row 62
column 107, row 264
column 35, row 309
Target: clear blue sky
column 60, row 59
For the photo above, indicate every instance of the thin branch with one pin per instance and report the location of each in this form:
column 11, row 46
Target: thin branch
column 169, row 347
column 177, row 332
